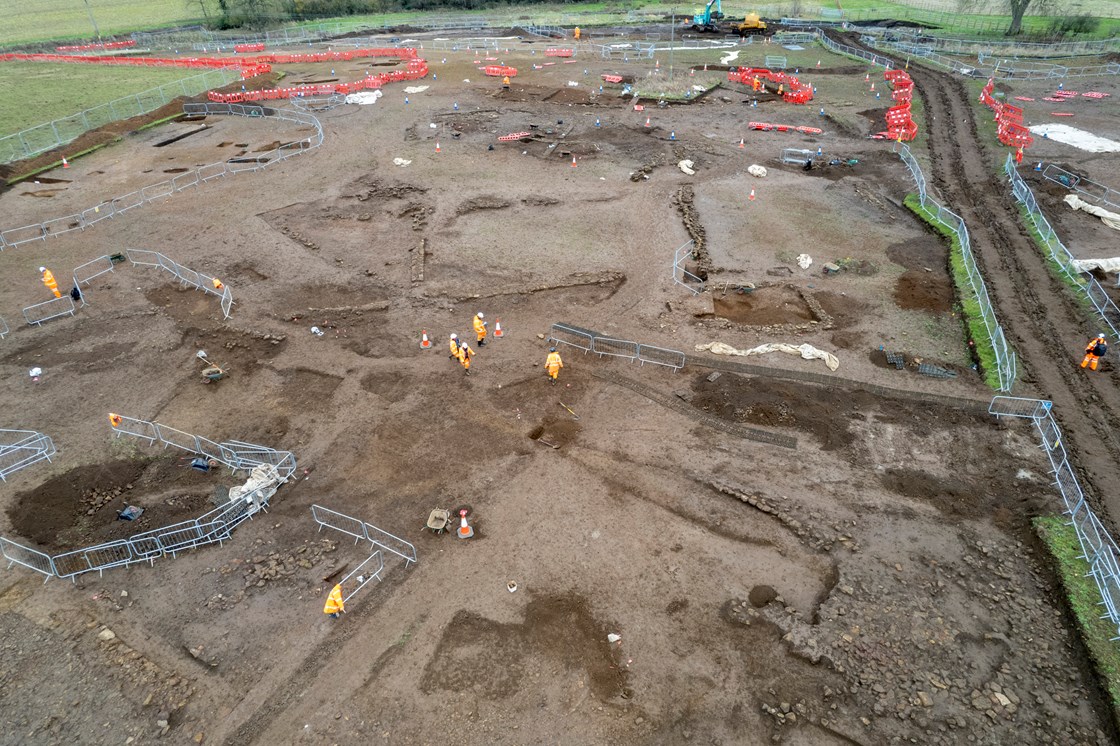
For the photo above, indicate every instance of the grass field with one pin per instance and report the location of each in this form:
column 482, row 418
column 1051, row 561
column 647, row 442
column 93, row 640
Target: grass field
column 35, row 93
column 68, row 19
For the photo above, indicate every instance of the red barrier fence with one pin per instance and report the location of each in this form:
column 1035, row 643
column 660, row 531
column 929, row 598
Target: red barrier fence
column 415, row 69
column 559, row 52
column 768, row 127
column 612, row 78
column 250, row 66
column 792, row 90
column 901, row 126
column 499, row 71
column 258, row 47
column 106, row 45
column 1009, row 119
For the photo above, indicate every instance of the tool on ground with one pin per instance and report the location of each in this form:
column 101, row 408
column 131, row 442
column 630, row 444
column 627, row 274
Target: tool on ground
column 439, row 520
column 565, row 406
column 212, row 372
column 545, row 442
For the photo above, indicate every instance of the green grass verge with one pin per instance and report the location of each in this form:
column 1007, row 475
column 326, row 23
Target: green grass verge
column 56, row 164
column 970, row 306
column 1084, row 599
column 1075, row 284
column 35, row 93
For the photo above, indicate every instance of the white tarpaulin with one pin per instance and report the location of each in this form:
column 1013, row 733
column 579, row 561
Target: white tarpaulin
column 262, row 484
column 416, row 89
column 363, row 98
column 1081, row 139
column 1104, row 265
column 806, row 351
column 686, row 167
column 1111, row 219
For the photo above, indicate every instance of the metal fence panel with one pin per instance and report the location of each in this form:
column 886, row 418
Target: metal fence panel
column 339, row 522
column 615, row 347
column 3, row 328
column 369, row 570
column 391, row 543
column 571, row 335
column 22, row 448
column 48, row 310
column 32, row 559
column 661, row 356
column 681, row 276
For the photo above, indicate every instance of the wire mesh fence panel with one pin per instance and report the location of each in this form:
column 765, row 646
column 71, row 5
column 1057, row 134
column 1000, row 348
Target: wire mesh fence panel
column 391, row 543
column 170, row 436
column 93, row 559
column 156, row 192
column 22, row 448
column 24, row 234
column 84, row 273
column 127, row 202
column 571, row 335
column 3, row 328
column 1017, row 407
column 369, row 570
column 32, row 559
column 661, row 356
column 339, row 522
column 51, row 309
column 614, row 347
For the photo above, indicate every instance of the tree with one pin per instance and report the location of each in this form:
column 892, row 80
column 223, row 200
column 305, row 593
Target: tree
column 201, row 5
column 1018, row 9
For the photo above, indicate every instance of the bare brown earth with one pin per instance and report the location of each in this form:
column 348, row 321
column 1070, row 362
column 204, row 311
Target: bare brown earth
column 866, row 576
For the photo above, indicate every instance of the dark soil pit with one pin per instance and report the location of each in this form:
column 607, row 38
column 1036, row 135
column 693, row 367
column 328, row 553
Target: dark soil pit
column 844, row 310
column 919, row 290
column 765, row 306
column 555, row 432
column 79, row 508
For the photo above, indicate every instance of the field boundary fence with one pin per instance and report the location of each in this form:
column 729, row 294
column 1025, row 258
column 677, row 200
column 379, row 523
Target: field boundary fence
column 213, row 527
column 1092, row 290
column 41, row 138
column 155, row 192
column 22, row 448
column 187, row 277
column 600, row 344
column 362, row 531
column 682, row 276
column 51, row 309
column 1093, row 190
column 1097, row 546
column 1006, row 362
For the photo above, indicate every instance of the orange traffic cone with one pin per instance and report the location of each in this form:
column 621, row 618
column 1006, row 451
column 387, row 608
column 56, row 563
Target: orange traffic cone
column 65, row 163
column 498, row 324
column 691, row 72
column 573, row 161
column 818, row 63
column 741, row 145
column 425, row 343
column 866, row 77
column 751, row 196
column 437, row 146
column 647, row 121
column 465, row 531
column 872, row 86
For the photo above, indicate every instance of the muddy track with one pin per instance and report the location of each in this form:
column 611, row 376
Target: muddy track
column 1044, row 324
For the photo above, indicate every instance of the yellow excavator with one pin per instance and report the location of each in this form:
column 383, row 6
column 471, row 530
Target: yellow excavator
column 751, row 25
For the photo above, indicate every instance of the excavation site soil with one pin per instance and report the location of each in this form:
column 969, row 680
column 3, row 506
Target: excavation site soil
column 670, row 545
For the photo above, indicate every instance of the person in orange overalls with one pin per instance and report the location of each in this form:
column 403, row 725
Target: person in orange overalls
column 49, row 281
column 553, row 364
column 334, row 605
column 453, row 346
column 465, row 355
column 480, row 329
column 1094, row 351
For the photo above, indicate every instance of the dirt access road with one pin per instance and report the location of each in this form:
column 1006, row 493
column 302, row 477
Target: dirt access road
column 867, row 576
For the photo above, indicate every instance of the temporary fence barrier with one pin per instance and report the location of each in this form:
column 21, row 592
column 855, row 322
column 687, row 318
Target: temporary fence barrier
column 797, row 156
column 186, row 277
column 1105, row 307
column 1006, row 363
column 415, row 69
column 98, row 46
column 118, row 205
column 590, row 341
column 3, row 328
column 369, row 570
column 85, row 273
column 214, row 526
column 22, row 448
column 362, row 531
column 47, row 310
column 1082, row 185
column 1010, row 129
column 796, row 93
column 682, row 276
column 1098, row 548
column 54, row 134
column 317, row 103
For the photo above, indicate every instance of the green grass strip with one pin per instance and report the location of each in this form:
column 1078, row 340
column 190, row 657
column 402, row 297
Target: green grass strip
column 970, row 304
column 1084, row 599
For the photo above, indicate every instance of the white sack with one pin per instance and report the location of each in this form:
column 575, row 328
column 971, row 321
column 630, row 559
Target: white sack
column 806, row 351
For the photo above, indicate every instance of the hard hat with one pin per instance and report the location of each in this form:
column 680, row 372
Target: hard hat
column 1100, row 336
column 454, row 336
column 42, row 269
column 480, row 314
column 552, row 349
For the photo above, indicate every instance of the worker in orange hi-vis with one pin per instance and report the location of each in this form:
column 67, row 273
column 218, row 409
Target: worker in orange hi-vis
column 505, row 82
column 480, row 329
column 218, row 285
column 453, row 346
column 553, row 364
column 576, row 33
column 465, row 355
column 1094, row 351
column 334, row 605
column 49, row 281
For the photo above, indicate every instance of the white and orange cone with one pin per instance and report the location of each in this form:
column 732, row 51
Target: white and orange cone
column 65, row 163
column 465, row 531
column 425, row 343
column 498, row 333
column 751, row 196
column 573, row 161
column 437, row 146
column 741, row 144
column 647, row 121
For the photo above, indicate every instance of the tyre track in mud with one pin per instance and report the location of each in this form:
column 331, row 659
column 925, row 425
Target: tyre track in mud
column 1043, row 323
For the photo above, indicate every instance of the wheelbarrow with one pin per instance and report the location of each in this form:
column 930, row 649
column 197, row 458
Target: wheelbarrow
column 212, row 372
column 439, row 520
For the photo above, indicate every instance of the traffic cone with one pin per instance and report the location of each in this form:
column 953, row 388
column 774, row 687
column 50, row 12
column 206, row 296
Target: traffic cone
column 573, row 161
column 741, row 144
column 437, row 146
column 498, row 333
column 691, row 72
column 872, row 86
column 65, row 163
column 751, row 196
column 657, row 64
column 647, row 121
column 705, row 67
column 673, row 135
column 866, row 77
column 465, row 531
column 425, row 343
column 597, row 122
column 818, row 63
column 1038, row 167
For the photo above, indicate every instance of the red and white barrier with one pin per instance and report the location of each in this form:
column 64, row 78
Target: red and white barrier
column 1009, row 119
column 105, row 45
column 559, row 52
column 514, row 136
column 499, row 71
column 241, row 48
column 768, row 127
column 797, row 93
